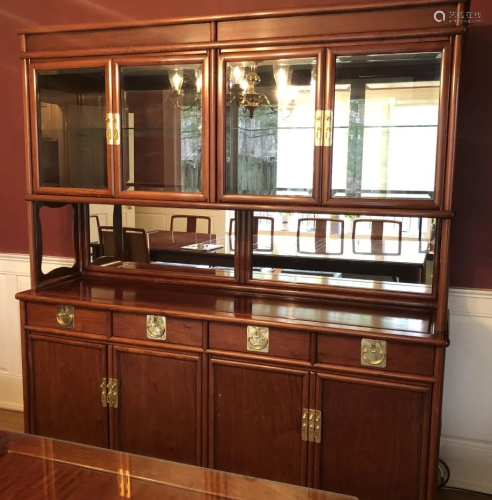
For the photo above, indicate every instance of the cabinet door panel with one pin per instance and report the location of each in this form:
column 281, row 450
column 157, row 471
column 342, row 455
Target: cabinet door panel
column 255, row 420
column 69, row 106
column 163, row 104
column 65, row 379
column 158, row 412
column 374, row 435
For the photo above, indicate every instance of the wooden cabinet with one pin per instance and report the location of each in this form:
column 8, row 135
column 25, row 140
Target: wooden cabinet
column 374, row 437
column 159, row 406
column 65, row 380
column 255, row 413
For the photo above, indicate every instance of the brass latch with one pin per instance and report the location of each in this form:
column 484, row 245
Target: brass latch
column 109, row 129
column 323, row 128
column 311, row 426
column 109, row 393
column 116, row 129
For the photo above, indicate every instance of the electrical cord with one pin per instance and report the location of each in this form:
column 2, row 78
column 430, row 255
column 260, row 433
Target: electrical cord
column 444, row 474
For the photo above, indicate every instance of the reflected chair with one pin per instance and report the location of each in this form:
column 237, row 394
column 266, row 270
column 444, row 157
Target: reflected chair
column 376, row 235
column 191, row 222
column 320, row 237
column 256, row 223
column 94, row 237
column 136, row 245
column 106, row 239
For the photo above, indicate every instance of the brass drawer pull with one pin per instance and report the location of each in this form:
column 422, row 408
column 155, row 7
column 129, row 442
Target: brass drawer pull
column 373, row 353
column 258, row 338
column 156, row 327
column 65, row 316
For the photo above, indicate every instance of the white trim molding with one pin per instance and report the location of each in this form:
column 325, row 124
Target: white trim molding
column 466, row 443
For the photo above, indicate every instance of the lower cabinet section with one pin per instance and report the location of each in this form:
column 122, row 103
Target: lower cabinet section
column 255, row 420
column 65, row 379
column 374, row 437
column 158, row 412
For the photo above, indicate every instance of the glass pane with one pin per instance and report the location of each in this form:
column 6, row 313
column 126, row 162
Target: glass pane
column 161, row 116
column 390, row 253
column 270, row 118
column 385, row 126
column 71, row 128
column 163, row 238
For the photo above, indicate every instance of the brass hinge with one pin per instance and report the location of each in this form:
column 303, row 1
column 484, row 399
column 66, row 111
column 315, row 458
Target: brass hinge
column 104, row 394
column 112, row 398
column 109, row 129
column 124, row 484
column 318, row 128
column 311, row 426
column 116, row 129
column 328, row 128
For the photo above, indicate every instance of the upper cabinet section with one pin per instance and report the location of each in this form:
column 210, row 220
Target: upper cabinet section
column 164, row 115
column 70, row 102
column 267, row 126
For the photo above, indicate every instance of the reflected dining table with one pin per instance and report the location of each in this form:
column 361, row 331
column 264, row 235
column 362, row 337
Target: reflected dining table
column 403, row 260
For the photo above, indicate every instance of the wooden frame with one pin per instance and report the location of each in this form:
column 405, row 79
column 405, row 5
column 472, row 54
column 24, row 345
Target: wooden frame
column 166, row 59
column 239, row 56
column 34, row 119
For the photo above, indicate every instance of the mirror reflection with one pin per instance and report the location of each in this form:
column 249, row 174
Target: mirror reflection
column 270, row 118
column 161, row 113
column 145, row 237
column 385, row 126
column 392, row 253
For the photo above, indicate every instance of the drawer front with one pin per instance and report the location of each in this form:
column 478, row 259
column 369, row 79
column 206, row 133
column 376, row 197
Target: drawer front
column 280, row 343
column 399, row 357
column 174, row 330
column 56, row 316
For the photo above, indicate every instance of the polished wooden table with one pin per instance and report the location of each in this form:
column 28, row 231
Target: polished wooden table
column 36, row 468
column 360, row 256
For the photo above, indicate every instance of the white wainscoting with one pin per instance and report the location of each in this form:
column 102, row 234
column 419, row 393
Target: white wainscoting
column 466, row 443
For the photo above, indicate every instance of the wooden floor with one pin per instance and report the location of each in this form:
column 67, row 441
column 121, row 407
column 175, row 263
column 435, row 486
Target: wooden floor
column 13, row 421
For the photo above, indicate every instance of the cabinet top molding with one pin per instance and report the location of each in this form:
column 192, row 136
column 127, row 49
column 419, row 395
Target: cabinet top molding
column 357, row 6
column 377, row 20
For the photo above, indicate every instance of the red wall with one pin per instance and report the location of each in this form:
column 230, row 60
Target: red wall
column 471, row 262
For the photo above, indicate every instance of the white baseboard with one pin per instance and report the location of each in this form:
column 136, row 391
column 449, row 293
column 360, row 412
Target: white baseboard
column 466, row 445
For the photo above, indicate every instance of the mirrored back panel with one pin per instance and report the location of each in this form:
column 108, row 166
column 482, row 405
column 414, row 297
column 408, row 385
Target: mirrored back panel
column 157, row 238
column 382, row 253
column 385, row 126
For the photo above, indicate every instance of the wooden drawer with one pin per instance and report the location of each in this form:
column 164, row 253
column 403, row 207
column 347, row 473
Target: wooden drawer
column 281, row 343
column 401, row 357
column 84, row 320
column 178, row 330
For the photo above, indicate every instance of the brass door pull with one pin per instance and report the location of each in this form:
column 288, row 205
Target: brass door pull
column 258, row 338
column 156, row 327
column 373, row 353
column 65, row 316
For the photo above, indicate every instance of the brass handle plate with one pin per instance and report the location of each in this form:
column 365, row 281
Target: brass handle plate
column 318, row 128
column 304, row 427
column 258, row 338
column 116, row 129
column 104, row 394
column 65, row 316
column 109, row 129
column 373, row 353
column 156, row 327
column 328, row 128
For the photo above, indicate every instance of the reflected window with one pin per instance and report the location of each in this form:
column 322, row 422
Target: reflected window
column 385, row 126
column 270, row 117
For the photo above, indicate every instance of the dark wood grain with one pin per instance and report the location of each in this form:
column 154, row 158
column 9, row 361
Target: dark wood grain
column 391, row 434
column 178, row 330
column 407, row 358
column 85, row 320
column 282, row 343
column 32, row 467
column 65, row 376
column 165, row 389
column 255, row 419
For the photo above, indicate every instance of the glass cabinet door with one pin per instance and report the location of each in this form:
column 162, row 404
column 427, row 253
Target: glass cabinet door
column 387, row 111
column 267, row 126
column 163, row 110
column 69, row 106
